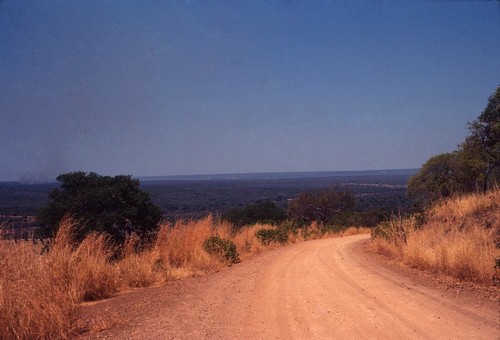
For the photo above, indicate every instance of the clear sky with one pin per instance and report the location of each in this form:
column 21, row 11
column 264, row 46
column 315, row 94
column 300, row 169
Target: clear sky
column 187, row 87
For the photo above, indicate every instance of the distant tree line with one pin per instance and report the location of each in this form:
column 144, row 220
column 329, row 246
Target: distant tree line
column 118, row 207
column 329, row 207
column 320, row 206
column 260, row 212
column 475, row 166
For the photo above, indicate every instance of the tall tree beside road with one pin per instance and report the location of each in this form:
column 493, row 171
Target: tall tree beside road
column 482, row 146
column 476, row 164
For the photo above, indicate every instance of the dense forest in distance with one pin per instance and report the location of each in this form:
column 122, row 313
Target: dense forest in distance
column 196, row 196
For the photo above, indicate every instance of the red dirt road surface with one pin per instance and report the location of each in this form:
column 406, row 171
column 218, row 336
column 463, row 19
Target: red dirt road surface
column 321, row 289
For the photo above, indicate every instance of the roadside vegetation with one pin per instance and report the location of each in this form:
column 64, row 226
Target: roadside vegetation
column 459, row 237
column 474, row 167
column 43, row 283
column 455, row 229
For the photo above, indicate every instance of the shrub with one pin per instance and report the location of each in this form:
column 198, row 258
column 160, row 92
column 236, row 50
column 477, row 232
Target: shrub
column 267, row 236
column 223, row 249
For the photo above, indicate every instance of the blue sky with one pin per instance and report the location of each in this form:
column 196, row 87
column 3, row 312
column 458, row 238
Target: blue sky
column 187, row 87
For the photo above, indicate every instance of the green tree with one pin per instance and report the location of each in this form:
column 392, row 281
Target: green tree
column 441, row 176
column 262, row 212
column 320, row 205
column 475, row 165
column 481, row 149
column 115, row 205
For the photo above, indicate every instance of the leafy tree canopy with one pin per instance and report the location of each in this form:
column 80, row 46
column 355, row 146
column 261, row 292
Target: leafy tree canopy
column 320, row 205
column 475, row 165
column 482, row 147
column 441, row 176
column 115, row 205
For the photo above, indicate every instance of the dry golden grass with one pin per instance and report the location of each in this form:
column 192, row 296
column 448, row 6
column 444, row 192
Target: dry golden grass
column 179, row 248
column 458, row 238
column 137, row 267
column 178, row 252
column 466, row 254
column 247, row 243
column 468, row 207
column 32, row 303
column 354, row 231
column 385, row 247
column 84, row 271
column 313, row 231
column 40, row 294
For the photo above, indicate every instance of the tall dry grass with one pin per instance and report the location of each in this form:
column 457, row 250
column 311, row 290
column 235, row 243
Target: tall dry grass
column 247, row 243
column 39, row 294
column 179, row 248
column 32, row 304
column 458, row 237
column 352, row 231
column 137, row 267
column 84, row 271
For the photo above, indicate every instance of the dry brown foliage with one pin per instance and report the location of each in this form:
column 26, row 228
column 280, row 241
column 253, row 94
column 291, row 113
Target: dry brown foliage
column 40, row 294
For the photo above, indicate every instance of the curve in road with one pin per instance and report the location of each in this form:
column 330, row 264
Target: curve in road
column 320, row 289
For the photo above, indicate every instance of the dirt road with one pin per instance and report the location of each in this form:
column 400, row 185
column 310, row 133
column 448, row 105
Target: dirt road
column 322, row 289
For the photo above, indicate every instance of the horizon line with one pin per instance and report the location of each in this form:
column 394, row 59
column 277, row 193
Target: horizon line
column 271, row 173
column 236, row 175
